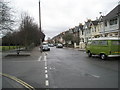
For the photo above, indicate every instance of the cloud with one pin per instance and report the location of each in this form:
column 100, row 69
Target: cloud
column 60, row 15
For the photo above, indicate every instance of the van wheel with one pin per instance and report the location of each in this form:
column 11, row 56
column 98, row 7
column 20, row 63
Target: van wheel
column 103, row 56
column 89, row 54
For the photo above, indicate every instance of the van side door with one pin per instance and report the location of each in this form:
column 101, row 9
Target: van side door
column 104, row 47
column 94, row 47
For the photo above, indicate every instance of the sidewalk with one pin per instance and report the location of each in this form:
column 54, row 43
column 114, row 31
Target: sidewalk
column 14, row 52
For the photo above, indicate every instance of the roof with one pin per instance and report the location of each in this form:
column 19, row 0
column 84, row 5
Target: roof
column 106, row 38
column 113, row 13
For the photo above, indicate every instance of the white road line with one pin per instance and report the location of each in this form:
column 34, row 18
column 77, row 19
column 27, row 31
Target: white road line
column 39, row 59
column 46, row 76
column 46, row 71
column 96, row 76
column 45, row 58
column 47, row 83
column 46, row 68
column 45, row 64
column 46, row 53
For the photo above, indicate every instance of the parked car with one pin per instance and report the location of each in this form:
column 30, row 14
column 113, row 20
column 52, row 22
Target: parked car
column 45, row 47
column 104, row 47
column 59, row 46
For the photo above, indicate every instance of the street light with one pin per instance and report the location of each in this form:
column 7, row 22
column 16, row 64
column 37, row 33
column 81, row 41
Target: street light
column 40, row 26
column 39, row 15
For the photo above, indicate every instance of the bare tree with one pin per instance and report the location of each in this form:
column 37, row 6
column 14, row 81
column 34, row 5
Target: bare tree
column 29, row 31
column 27, row 35
column 6, row 17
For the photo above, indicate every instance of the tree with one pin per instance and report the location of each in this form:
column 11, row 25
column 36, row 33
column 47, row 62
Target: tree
column 76, row 40
column 68, row 38
column 6, row 17
column 28, row 34
column 29, row 31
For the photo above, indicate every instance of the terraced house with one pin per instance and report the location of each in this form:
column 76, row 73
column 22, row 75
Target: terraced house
column 104, row 26
column 111, row 23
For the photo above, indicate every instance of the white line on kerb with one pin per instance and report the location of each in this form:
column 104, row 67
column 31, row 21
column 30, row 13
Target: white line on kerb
column 47, row 83
column 46, row 71
column 46, row 75
column 39, row 59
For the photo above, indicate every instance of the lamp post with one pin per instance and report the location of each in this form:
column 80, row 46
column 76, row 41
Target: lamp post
column 39, row 15
column 40, row 26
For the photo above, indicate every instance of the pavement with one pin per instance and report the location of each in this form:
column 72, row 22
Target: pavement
column 22, row 52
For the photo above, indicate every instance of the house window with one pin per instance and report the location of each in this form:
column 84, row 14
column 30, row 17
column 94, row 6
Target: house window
column 113, row 21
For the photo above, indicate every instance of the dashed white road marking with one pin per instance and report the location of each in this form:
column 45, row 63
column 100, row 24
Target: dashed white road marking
column 46, row 76
column 45, row 64
column 47, row 83
column 45, row 58
column 46, row 68
column 96, row 76
column 46, row 71
column 39, row 59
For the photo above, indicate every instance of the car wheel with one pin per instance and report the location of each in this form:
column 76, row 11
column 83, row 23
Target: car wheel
column 103, row 56
column 89, row 54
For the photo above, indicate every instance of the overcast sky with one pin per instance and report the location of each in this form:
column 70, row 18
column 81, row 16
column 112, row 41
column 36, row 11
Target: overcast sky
column 60, row 15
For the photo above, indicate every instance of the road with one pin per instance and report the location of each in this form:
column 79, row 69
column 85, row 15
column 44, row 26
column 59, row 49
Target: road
column 62, row 68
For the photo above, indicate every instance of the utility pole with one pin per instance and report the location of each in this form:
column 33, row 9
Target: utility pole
column 40, row 26
column 119, row 18
column 39, row 15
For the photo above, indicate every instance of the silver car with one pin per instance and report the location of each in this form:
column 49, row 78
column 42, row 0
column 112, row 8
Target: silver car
column 59, row 46
column 45, row 47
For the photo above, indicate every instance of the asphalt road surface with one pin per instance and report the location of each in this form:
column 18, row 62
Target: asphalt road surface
column 62, row 68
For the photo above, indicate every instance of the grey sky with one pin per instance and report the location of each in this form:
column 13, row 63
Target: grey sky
column 60, row 15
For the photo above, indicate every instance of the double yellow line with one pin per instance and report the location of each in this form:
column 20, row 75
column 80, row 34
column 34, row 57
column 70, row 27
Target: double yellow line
column 29, row 87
